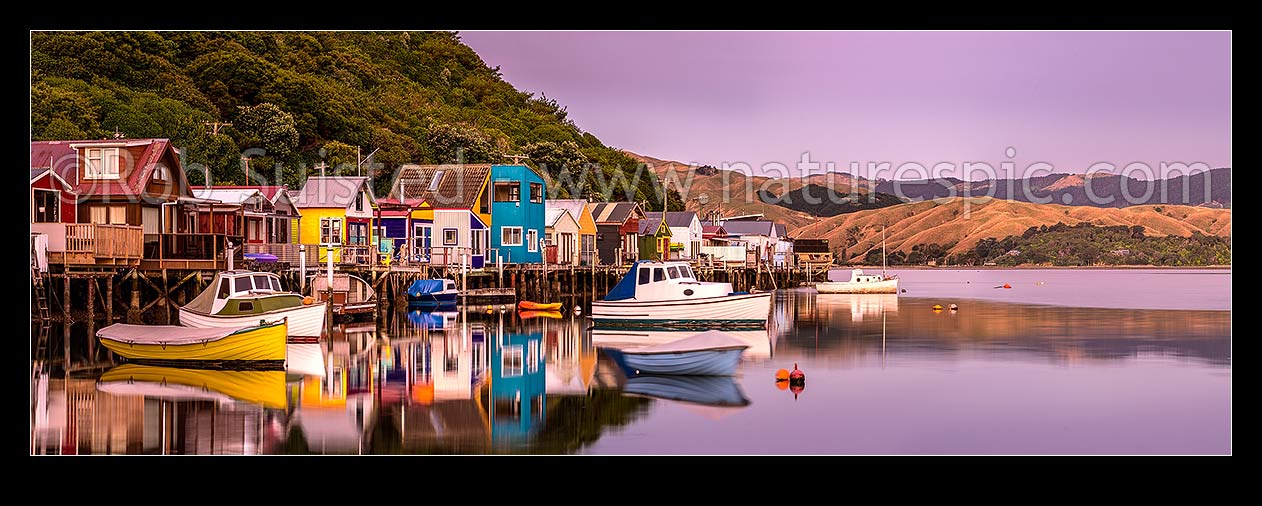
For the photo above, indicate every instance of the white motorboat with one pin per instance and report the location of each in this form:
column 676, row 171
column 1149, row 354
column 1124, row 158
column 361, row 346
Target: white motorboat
column 236, row 299
column 668, row 293
column 860, row 283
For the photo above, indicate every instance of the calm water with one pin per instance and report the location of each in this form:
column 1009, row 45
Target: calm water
column 1021, row 370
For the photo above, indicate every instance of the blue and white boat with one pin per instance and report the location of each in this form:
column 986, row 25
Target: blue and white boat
column 669, row 294
column 708, row 353
column 432, row 292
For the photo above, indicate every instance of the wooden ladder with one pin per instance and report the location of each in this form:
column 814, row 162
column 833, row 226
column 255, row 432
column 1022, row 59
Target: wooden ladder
column 40, row 296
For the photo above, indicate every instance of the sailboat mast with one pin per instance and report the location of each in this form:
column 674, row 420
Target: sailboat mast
column 882, row 251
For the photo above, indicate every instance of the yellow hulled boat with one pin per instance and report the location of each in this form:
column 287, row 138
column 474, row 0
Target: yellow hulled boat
column 263, row 342
column 266, row 388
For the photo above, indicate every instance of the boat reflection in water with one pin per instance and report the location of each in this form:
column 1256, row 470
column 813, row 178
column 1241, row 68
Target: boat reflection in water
column 422, row 382
column 709, row 396
column 761, row 341
column 861, row 306
column 265, row 388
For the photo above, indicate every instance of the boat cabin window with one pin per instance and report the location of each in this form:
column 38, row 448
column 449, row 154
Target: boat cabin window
column 225, row 288
column 659, row 274
column 261, row 283
column 644, row 276
column 275, row 283
column 674, row 272
column 687, row 272
column 241, row 284
column 245, row 306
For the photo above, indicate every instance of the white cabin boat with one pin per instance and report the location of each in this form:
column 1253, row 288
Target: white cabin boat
column 236, row 299
column 668, row 293
column 860, row 283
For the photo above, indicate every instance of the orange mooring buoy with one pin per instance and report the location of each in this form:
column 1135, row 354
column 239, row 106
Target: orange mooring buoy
column 1005, row 285
column 782, row 375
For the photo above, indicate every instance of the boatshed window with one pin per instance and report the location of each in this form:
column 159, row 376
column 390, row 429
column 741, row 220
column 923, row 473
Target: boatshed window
column 659, row 274
column 510, row 236
column 450, row 237
column 674, row 272
column 242, row 284
column 536, row 193
column 644, row 276
column 507, row 192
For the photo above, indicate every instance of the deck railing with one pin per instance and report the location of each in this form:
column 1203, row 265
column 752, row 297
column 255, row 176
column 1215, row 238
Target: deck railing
column 286, row 252
column 90, row 242
column 189, row 246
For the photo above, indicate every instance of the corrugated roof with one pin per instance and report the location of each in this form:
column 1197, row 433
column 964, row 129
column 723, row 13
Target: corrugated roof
column 572, row 206
column 64, row 161
column 713, row 230
column 680, row 218
column 554, row 214
column 268, row 191
column 613, row 212
column 330, row 191
column 458, row 186
column 227, row 196
column 649, row 225
column 748, row 227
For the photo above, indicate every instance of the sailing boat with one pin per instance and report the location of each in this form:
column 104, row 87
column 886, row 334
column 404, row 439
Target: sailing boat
column 863, row 283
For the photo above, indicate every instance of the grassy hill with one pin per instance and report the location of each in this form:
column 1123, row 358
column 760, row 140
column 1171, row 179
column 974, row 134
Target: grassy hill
column 962, row 223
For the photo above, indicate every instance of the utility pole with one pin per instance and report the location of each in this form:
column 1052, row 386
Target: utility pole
column 215, row 126
column 359, row 162
column 321, row 166
column 245, row 160
column 517, row 158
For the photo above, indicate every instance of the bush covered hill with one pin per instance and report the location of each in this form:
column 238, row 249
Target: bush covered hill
column 296, row 99
column 816, row 200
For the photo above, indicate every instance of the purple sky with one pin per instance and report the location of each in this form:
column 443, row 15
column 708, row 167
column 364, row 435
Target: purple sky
column 1066, row 98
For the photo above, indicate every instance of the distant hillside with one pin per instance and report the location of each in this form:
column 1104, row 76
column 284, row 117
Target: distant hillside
column 1071, row 189
column 962, row 223
column 709, row 186
column 816, row 200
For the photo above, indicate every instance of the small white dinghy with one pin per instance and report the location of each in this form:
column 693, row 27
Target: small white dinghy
column 707, row 353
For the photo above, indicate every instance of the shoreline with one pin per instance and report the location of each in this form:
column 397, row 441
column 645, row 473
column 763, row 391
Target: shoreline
column 1040, row 267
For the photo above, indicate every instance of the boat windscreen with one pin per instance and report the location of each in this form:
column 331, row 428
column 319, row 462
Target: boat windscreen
column 625, row 289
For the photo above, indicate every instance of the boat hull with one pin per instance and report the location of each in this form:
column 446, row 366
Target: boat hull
column 720, row 362
column 263, row 344
column 433, row 299
column 526, row 305
column 745, row 310
column 887, row 286
column 304, row 321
